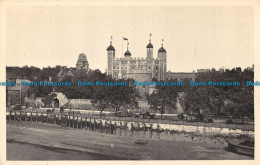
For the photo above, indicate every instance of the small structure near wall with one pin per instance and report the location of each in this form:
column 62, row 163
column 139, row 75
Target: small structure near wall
column 55, row 100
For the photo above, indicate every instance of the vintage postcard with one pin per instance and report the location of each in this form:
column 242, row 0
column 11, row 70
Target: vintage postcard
column 129, row 82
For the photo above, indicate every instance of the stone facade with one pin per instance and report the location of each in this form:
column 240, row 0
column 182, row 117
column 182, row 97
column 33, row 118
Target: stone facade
column 143, row 69
column 140, row 69
column 16, row 94
column 82, row 62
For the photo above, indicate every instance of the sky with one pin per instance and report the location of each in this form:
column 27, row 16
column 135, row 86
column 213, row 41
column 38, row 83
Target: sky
column 195, row 37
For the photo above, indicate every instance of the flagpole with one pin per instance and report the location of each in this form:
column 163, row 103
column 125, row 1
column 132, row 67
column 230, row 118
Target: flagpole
column 122, row 46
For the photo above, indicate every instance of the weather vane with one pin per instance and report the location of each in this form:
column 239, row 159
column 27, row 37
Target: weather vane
column 111, row 39
column 162, row 42
column 150, row 37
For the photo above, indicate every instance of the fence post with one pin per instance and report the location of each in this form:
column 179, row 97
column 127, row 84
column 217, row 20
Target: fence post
column 120, row 128
column 106, row 127
column 69, row 120
column 15, row 116
column 31, row 117
column 80, row 122
column 73, row 121
column 36, row 117
column 94, row 124
column 47, row 117
column 138, row 126
column 110, row 125
column 151, row 130
column 115, row 127
column 100, row 126
column 132, row 129
column 211, row 127
column 26, row 117
column 41, row 117
column 158, row 131
column 125, row 127
column 86, row 122
column 197, row 126
column 183, row 125
column 77, row 122
column 90, row 124
column 10, row 116
column 20, row 116
column 144, row 130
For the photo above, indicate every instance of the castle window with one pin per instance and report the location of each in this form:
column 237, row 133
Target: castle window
column 117, row 67
column 149, row 67
column 114, row 67
column 156, row 68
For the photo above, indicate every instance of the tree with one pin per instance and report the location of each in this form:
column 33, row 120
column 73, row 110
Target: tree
column 101, row 98
column 235, row 100
column 164, row 98
column 125, row 97
column 241, row 103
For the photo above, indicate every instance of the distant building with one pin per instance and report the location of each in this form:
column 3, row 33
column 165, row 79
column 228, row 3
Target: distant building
column 180, row 76
column 143, row 69
column 203, row 70
column 82, row 63
column 82, row 67
column 58, row 100
column 210, row 70
column 16, row 94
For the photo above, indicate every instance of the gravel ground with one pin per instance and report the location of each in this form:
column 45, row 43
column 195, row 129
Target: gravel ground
column 52, row 142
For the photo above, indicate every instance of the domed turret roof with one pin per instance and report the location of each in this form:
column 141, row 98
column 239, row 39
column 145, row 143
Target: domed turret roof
column 111, row 48
column 127, row 53
column 162, row 50
column 150, row 45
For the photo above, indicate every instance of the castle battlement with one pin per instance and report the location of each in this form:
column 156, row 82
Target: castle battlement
column 135, row 67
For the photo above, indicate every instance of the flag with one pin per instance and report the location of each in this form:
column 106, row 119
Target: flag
column 125, row 39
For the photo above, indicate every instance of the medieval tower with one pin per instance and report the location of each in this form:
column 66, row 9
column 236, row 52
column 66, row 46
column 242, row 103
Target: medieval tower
column 140, row 69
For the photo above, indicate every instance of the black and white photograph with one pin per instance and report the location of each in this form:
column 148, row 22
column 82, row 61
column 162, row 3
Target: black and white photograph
column 129, row 81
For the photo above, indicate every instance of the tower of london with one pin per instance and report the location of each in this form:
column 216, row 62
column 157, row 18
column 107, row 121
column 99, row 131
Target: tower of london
column 140, row 69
